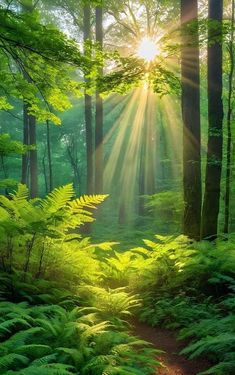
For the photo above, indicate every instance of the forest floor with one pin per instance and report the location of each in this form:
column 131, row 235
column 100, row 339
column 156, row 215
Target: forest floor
column 165, row 340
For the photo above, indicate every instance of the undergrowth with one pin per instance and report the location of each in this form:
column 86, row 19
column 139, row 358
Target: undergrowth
column 57, row 313
column 65, row 302
column 188, row 287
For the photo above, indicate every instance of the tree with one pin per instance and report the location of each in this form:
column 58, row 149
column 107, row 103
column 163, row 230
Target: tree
column 30, row 160
column 33, row 157
column 190, row 73
column 147, row 154
column 211, row 201
column 50, row 170
column 229, row 123
column 88, row 104
column 25, row 157
column 99, row 111
column 8, row 147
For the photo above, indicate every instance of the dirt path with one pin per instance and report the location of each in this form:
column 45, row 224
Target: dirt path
column 165, row 340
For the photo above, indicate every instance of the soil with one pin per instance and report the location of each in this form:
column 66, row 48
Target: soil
column 165, row 340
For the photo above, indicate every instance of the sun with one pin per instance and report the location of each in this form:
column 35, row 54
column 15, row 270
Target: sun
column 148, row 49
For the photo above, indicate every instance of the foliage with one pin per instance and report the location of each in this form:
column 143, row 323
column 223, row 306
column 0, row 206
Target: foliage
column 51, row 339
column 8, row 146
column 67, row 323
column 186, row 286
column 33, row 64
column 34, row 233
column 166, row 206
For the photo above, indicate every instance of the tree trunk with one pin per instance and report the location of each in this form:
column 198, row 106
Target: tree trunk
column 147, row 170
column 229, row 123
column 150, row 146
column 29, row 136
column 49, row 157
column 25, row 157
column 142, row 172
column 45, row 172
column 190, row 71
column 99, row 113
column 33, row 158
column 88, row 106
column 215, row 125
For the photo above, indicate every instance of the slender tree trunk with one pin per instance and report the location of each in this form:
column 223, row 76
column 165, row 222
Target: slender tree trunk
column 215, row 125
column 49, row 157
column 142, row 173
column 88, row 106
column 33, row 158
column 25, row 157
column 229, row 123
column 99, row 113
column 190, row 70
column 150, row 147
column 29, row 136
column 162, row 153
column 147, row 172
column 45, row 172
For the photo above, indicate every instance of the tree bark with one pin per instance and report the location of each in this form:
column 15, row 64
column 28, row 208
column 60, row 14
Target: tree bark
column 229, row 126
column 25, row 157
column 49, row 157
column 33, row 157
column 88, row 105
column 215, row 125
column 99, row 113
column 29, row 136
column 190, row 72
column 146, row 170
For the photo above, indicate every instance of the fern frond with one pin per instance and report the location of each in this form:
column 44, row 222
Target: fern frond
column 34, row 350
column 21, row 195
column 90, row 331
column 20, row 338
column 58, row 198
column 88, row 201
column 11, row 359
column 11, row 323
column 50, row 358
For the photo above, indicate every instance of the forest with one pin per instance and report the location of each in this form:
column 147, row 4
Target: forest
column 117, row 187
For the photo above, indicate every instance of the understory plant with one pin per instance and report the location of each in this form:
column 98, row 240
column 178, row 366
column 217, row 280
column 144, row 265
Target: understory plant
column 52, row 339
column 57, row 314
column 185, row 286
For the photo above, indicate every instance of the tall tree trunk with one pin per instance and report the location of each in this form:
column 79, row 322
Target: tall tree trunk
column 162, row 153
column 229, row 123
column 25, row 157
column 33, row 157
column 150, row 146
column 99, row 113
column 142, row 172
column 147, row 170
column 30, row 160
column 215, row 124
column 190, row 70
column 29, row 134
column 88, row 106
column 49, row 157
column 45, row 171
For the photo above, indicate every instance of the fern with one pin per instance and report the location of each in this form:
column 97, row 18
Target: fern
column 58, row 199
column 12, row 359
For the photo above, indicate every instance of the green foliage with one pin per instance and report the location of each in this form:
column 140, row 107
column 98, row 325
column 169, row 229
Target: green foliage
column 185, row 286
column 35, row 65
column 36, row 233
column 40, row 338
column 67, row 323
column 167, row 207
column 9, row 147
column 207, row 271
